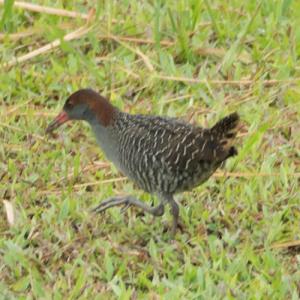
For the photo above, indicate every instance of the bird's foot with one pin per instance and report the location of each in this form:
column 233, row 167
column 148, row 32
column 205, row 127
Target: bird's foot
column 128, row 201
column 113, row 201
column 167, row 227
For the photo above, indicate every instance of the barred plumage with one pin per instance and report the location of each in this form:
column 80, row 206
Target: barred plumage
column 163, row 156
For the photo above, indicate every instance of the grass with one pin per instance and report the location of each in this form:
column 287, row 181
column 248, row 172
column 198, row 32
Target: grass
column 197, row 60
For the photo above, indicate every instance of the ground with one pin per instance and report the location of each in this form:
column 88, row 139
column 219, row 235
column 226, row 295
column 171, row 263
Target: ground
column 196, row 60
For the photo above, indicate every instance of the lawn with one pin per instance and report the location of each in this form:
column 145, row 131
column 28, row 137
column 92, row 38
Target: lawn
column 197, row 60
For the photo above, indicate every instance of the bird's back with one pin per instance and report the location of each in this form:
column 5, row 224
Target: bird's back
column 165, row 155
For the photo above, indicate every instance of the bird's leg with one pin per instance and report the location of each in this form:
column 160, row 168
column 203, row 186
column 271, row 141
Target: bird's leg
column 174, row 212
column 128, row 201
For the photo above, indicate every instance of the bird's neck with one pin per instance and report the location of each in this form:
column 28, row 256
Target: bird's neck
column 107, row 139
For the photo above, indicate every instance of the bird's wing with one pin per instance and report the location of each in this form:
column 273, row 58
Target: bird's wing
column 173, row 144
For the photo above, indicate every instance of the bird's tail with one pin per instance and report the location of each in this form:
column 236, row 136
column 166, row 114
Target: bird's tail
column 225, row 132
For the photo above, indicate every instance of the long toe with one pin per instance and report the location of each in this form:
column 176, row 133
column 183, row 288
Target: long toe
column 167, row 227
column 125, row 207
column 108, row 203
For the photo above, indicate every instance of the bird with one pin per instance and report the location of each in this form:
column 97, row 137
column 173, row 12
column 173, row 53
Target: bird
column 162, row 155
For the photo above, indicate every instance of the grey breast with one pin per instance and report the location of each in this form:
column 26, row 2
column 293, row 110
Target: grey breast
column 108, row 142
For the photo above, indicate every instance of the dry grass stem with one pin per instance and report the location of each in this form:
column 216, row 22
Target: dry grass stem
column 18, row 35
column 228, row 82
column 48, row 10
column 135, row 40
column 286, row 245
column 118, row 179
column 48, row 47
column 137, row 51
column 249, row 175
column 10, row 215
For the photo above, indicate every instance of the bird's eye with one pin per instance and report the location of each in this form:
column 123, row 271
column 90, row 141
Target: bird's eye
column 69, row 104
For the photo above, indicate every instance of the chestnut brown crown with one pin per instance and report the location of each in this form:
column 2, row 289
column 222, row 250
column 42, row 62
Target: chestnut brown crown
column 87, row 105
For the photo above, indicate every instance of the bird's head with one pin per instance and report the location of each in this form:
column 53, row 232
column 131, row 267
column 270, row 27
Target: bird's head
column 87, row 105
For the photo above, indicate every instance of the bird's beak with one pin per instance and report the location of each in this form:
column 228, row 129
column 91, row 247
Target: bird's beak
column 59, row 120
